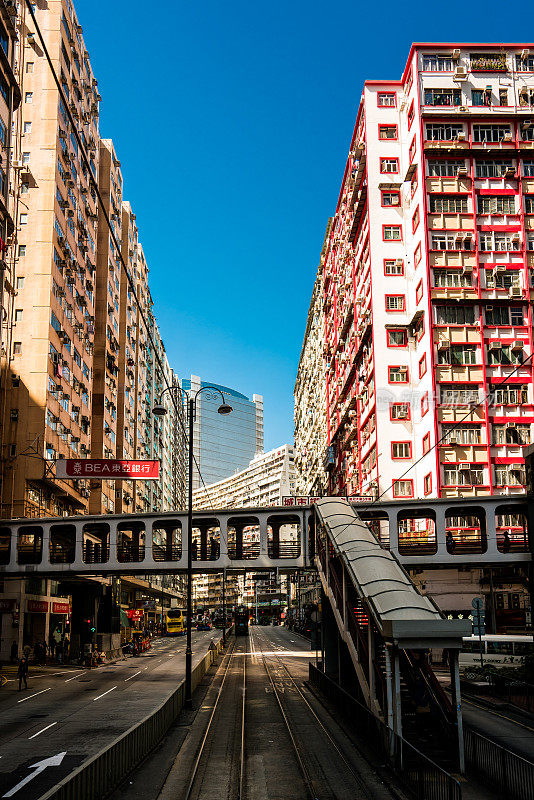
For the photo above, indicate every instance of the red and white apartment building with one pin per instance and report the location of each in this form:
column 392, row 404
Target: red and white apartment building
column 427, row 280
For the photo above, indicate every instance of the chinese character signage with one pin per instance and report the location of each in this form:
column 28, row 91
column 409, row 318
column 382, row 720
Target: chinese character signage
column 135, row 614
column 37, row 606
column 106, row 469
column 60, row 607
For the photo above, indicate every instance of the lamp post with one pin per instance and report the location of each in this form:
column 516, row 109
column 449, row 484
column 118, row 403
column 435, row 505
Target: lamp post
column 159, row 410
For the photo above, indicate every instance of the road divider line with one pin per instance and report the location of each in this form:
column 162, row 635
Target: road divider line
column 105, row 693
column 42, row 731
column 133, row 676
column 79, row 675
column 34, row 695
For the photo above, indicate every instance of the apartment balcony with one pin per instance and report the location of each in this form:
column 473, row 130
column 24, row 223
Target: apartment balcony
column 452, row 258
column 461, row 373
column 454, row 221
column 460, row 183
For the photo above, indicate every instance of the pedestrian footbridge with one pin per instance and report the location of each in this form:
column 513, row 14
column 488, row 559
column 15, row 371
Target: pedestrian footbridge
column 482, row 530
column 388, row 628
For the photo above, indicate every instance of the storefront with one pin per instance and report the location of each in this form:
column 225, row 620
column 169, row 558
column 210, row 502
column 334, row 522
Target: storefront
column 59, row 627
column 8, row 624
column 35, row 623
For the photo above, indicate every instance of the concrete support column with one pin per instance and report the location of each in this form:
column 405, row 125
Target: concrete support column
column 275, row 527
column 440, row 530
column 393, row 531
column 263, row 536
column 371, row 653
column 239, row 541
column 457, row 704
column 203, row 542
column 224, row 539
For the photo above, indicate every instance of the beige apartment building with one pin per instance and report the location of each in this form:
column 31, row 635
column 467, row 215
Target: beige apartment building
column 49, row 378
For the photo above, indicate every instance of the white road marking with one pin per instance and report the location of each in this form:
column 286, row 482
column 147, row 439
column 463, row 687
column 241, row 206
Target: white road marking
column 105, row 693
column 43, row 730
column 33, row 695
column 133, row 676
column 76, row 676
column 40, row 766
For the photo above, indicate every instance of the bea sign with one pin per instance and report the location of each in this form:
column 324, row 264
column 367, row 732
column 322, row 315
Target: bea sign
column 107, row 469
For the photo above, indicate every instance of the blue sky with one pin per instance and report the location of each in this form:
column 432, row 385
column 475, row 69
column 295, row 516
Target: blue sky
column 232, row 122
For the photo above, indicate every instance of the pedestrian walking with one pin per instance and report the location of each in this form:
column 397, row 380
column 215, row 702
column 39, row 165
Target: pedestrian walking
column 22, row 672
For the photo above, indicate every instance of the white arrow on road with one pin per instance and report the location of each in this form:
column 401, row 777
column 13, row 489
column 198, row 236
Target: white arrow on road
column 40, row 766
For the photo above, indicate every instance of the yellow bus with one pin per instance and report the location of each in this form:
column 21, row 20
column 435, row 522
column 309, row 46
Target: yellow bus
column 175, row 622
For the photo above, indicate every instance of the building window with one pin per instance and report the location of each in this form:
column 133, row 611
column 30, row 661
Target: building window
column 422, row 366
column 392, row 233
column 461, row 240
column 26, row 158
column 488, row 62
column 419, row 292
column 437, row 63
column 387, row 99
column 29, row 66
column 20, row 283
column 412, row 150
column 415, row 220
column 444, row 132
column 481, row 97
column 448, row 204
column 503, row 204
column 413, row 182
column 461, row 434
column 426, row 443
column 390, row 199
column 452, row 279
column 491, row 133
column 403, row 488
column 389, row 165
column 458, row 396
column 398, row 374
column 393, row 266
column 500, row 242
column 17, row 348
column 424, row 404
column 397, row 338
column 27, row 127
column 442, row 97
column 401, row 450
column 457, row 354
column 428, row 483
column 419, row 328
column 387, row 132
column 494, row 169
column 417, row 255
column 23, row 219
column 411, row 115
column 28, row 97
column 18, row 315
column 445, row 167
column 503, row 97
column 395, row 302
column 24, row 187
column 22, row 250
column 399, row 411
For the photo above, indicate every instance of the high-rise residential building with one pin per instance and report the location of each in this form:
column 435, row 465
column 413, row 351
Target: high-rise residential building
column 427, row 276
column 224, row 445
column 265, row 482
column 268, row 478
column 310, row 397
column 50, row 373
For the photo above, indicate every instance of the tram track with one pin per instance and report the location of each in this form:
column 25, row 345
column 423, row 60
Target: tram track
column 265, row 740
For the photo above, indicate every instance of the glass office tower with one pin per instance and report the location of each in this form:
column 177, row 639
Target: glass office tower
column 223, row 445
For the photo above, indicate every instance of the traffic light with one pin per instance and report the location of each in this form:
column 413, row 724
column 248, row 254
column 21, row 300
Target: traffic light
column 90, row 625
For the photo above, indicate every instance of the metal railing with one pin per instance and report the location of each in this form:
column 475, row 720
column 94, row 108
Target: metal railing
column 420, row 777
column 95, row 553
column 499, row 768
column 163, row 552
column 515, row 692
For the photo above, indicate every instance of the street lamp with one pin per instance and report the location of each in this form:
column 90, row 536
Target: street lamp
column 159, row 410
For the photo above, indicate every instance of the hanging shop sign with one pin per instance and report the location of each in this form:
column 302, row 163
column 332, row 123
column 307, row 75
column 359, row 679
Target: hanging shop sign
column 61, row 607
column 37, row 606
column 6, row 605
column 135, row 613
column 107, row 469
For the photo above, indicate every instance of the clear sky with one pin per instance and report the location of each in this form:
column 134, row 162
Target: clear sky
column 232, row 122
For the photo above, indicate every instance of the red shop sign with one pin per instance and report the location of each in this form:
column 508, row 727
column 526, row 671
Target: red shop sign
column 6, row 605
column 135, row 614
column 106, row 469
column 38, row 606
column 61, row 608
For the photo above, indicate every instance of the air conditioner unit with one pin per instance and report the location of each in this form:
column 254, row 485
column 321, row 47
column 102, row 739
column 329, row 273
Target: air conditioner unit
column 460, row 73
column 464, row 466
column 499, row 268
column 444, row 344
column 460, row 136
column 507, row 137
column 511, row 424
column 461, row 171
column 516, row 467
column 463, row 108
column 399, row 262
column 525, row 53
column 509, row 172
column 402, row 414
column 518, row 344
column 515, row 291
column 516, row 236
column 494, row 344
column 452, row 440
